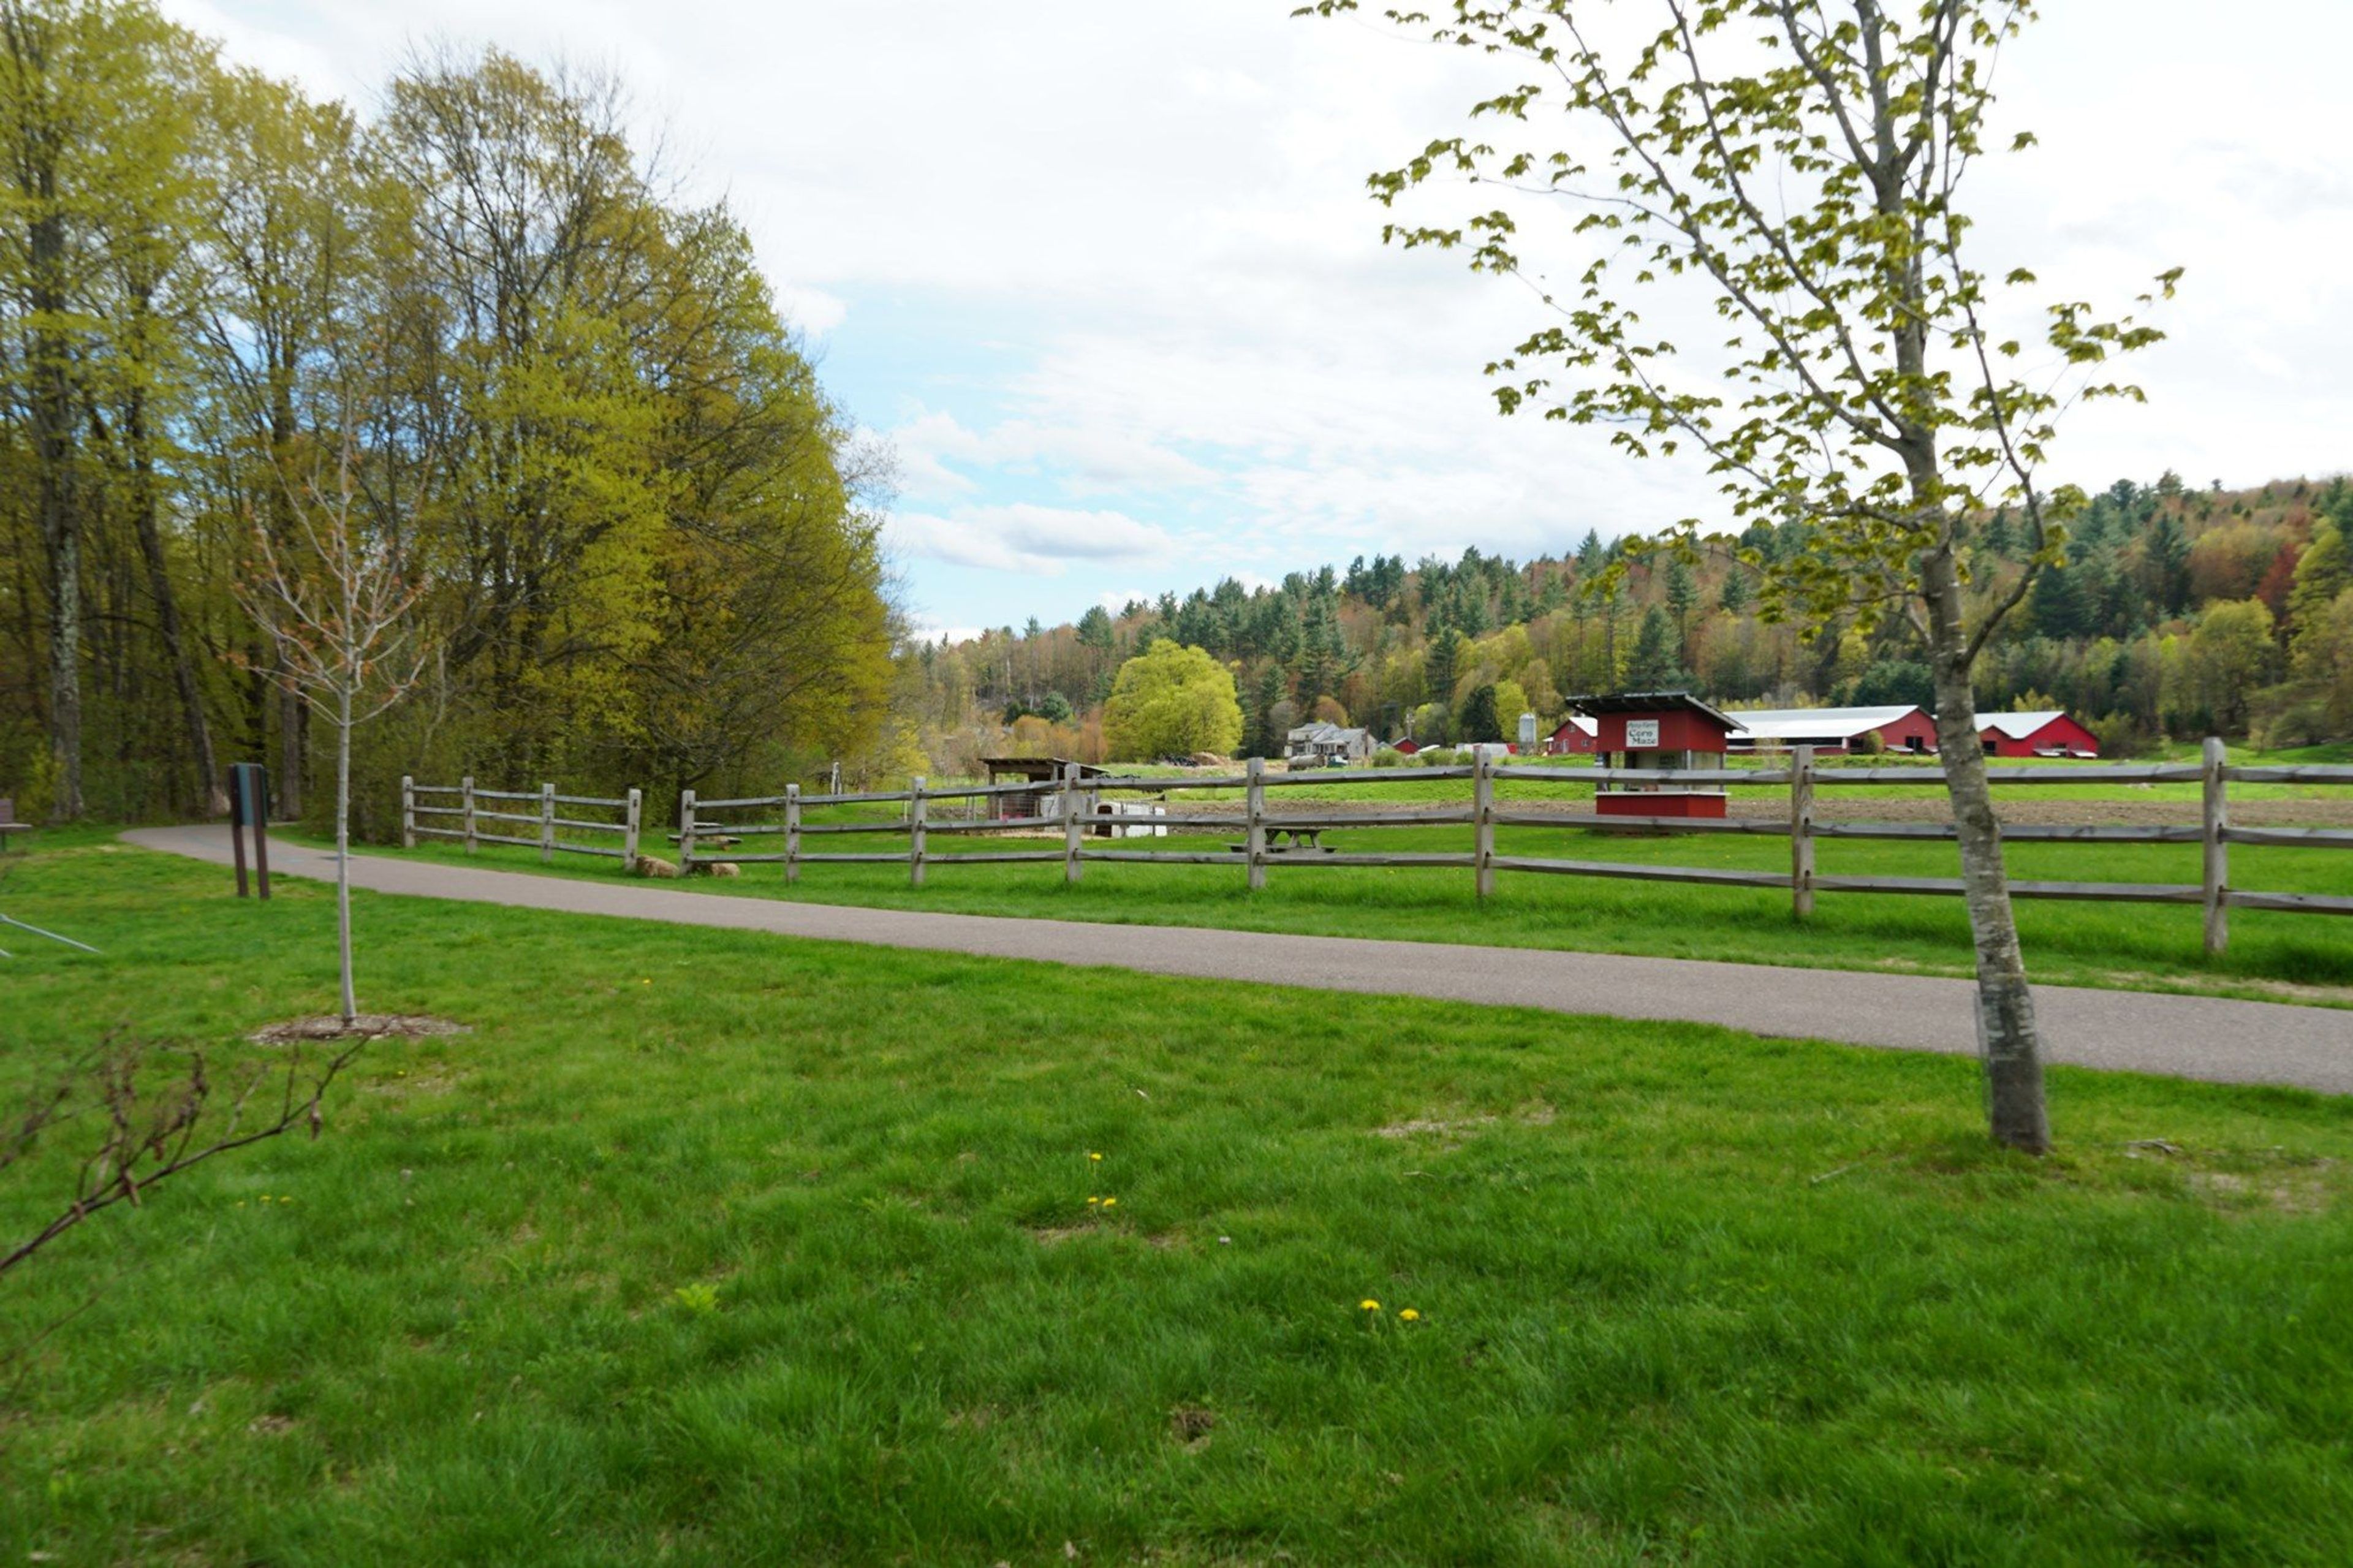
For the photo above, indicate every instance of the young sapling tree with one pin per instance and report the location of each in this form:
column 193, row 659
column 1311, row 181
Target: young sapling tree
column 1795, row 167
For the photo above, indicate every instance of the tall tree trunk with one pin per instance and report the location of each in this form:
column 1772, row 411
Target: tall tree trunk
column 344, row 854
column 211, row 797
column 2007, row 1036
column 292, row 713
column 52, row 421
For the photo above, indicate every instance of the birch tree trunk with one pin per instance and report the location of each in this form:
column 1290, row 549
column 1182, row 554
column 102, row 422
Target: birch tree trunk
column 2006, row 1036
column 344, row 852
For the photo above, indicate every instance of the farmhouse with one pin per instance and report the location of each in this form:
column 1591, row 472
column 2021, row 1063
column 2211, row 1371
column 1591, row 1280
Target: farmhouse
column 2048, row 733
column 1899, row 729
column 1576, row 737
column 1332, row 742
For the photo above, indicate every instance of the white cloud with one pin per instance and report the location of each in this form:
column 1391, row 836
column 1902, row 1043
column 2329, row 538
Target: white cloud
column 1084, row 454
column 812, row 310
column 1027, row 538
column 1155, row 216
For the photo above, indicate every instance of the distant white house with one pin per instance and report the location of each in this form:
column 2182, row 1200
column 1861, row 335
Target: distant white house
column 1332, row 742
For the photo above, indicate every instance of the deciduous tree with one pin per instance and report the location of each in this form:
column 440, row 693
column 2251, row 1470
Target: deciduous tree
column 1171, row 700
column 1799, row 163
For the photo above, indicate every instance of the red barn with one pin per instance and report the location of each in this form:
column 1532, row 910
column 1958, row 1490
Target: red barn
column 1900, row 729
column 2050, row 733
column 1577, row 736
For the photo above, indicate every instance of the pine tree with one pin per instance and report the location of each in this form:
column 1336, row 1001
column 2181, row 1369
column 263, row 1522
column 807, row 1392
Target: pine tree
column 1734, row 599
column 1481, row 722
column 2167, row 549
column 1682, row 595
column 1441, row 662
column 1654, row 667
column 1589, row 553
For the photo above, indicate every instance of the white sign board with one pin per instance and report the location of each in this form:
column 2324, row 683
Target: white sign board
column 1642, row 734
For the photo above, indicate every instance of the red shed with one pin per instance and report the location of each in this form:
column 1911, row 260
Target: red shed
column 1656, row 730
column 2050, row 733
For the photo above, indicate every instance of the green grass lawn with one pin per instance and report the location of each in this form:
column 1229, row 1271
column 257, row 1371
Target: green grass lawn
column 713, row 1247
column 2143, row 946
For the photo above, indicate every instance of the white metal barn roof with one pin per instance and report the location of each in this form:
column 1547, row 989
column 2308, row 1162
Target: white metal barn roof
column 2017, row 726
column 1768, row 724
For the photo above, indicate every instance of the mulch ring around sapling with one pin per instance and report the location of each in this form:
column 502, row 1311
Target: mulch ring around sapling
column 370, row 1025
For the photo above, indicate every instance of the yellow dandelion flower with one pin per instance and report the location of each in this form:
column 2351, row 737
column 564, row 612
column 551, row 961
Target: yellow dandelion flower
column 1111, row 1202
column 1092, row 1201
column 1370, row 1305
column 1411, row 1316
column 1091, row 1155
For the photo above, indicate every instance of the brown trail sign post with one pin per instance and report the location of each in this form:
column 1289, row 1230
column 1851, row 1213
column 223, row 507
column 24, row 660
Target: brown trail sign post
column 249, row 807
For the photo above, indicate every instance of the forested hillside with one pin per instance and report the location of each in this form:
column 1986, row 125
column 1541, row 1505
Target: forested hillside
column 644, row 541
column 2175, row 612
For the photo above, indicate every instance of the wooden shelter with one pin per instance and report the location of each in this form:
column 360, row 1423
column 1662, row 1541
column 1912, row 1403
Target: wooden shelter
column 1047, row 773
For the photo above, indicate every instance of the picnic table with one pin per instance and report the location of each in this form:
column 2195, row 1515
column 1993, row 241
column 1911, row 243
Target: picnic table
column 1303, row 841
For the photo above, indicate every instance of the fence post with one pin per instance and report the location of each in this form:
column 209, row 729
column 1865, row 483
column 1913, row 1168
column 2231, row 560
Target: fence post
column 407, row 812
column 685, row 831
column 1254, row 838
column 466, row 786
column 1801, row 831
column 915, row 832
column 1483, row 815
column 632, row 819
column 547, row 825
column 1072, row 829
column 2218, row 852
column 792, row 834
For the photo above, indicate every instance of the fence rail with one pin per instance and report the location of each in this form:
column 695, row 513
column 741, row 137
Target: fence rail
column 733, row 831
column 628, row 809
column 706, row 836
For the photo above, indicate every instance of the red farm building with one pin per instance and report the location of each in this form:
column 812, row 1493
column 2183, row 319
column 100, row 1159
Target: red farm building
column 1656, row 730
column 1899, row 729
column 1574, row 738
column 2050, row 733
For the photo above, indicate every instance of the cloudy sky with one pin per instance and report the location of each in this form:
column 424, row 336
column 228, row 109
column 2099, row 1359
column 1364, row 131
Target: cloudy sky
column 1104, row 273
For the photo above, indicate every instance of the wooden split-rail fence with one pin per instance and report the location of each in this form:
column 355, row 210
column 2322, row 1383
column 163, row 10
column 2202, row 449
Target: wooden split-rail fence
column 728, row 832
column 551, row 834
column 716, row 832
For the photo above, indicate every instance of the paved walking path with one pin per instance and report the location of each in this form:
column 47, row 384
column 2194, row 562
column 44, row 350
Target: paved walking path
column 2187, row 1036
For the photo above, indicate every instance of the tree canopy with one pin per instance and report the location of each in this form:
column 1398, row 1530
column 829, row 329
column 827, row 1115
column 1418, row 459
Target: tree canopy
column 641, row 534
column 1171, row 700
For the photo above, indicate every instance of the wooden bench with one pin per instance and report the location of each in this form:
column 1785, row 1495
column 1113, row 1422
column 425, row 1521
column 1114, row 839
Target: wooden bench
column 9, row 826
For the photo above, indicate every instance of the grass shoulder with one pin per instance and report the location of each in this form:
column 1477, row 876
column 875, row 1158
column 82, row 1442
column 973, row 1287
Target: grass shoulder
column 708, row 1247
